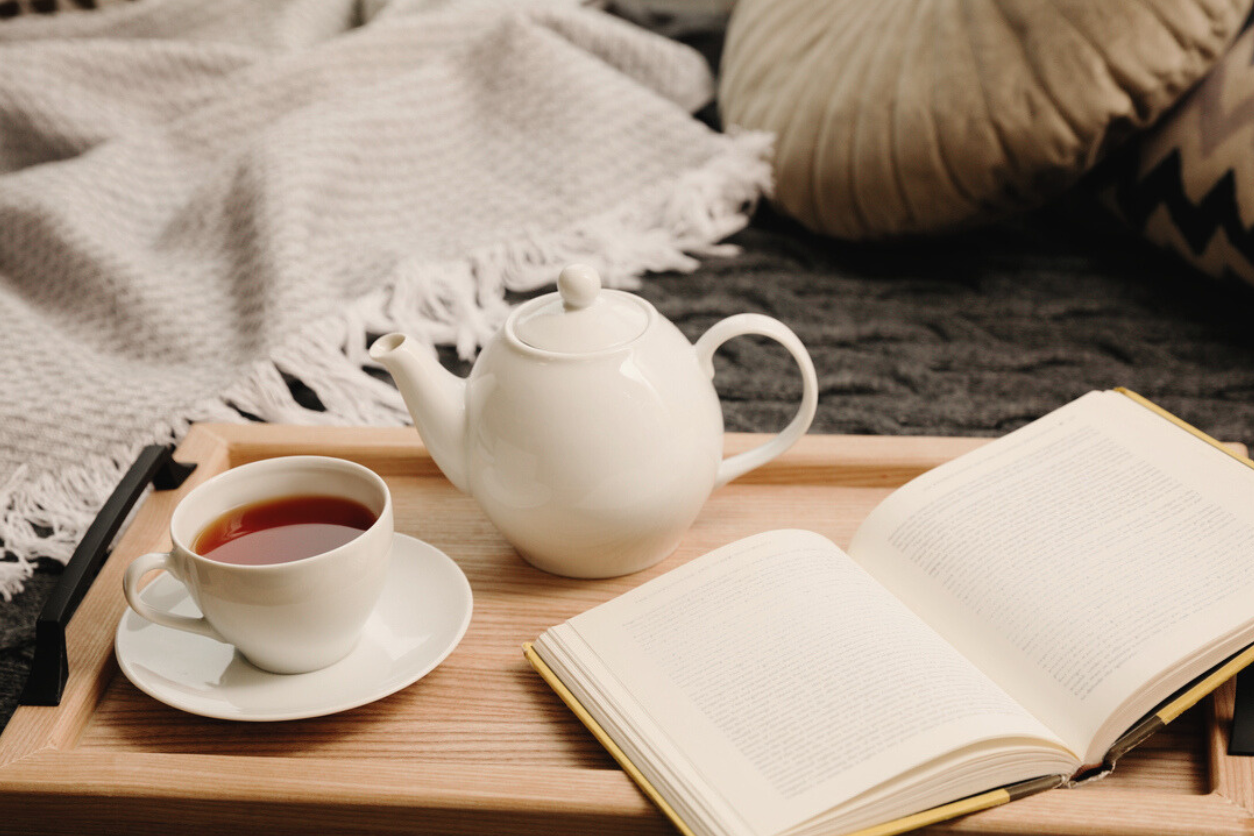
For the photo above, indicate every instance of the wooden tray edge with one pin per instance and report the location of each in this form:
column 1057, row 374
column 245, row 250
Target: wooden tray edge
column 36, row 757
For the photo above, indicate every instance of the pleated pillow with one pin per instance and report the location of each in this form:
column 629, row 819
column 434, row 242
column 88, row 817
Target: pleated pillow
column 906, row 116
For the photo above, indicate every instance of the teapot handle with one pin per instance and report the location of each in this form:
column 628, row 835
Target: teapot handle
column 735, row 326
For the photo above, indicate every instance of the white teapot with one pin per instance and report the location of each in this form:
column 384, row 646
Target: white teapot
column 588, row 430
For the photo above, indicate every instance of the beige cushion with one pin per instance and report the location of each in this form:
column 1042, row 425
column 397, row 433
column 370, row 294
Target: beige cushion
column 899, row 116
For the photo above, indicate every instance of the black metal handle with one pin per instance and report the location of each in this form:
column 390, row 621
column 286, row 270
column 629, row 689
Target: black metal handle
column 1241, row 742
column 50, row 668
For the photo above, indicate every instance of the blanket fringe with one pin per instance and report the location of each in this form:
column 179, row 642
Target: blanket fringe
column 460, row 303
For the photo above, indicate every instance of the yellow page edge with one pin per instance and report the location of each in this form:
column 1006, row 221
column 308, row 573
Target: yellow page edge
column 1182, row 424
column 1229, row 669
column 1191, row 697
column 962, row 807
column 1150, row 724
column 599, row 733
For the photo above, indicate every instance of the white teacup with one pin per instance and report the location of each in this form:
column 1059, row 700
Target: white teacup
column 284, row 617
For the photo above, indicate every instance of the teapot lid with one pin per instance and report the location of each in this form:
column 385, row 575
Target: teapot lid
column 580, row 317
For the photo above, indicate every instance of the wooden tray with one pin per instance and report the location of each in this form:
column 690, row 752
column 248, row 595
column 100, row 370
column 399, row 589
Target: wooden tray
column 481, row 744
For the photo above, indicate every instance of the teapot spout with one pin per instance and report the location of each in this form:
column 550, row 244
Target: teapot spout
column 436, row 399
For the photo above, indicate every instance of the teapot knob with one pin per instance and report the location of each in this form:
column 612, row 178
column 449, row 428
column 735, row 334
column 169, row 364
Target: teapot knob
column 579, row 285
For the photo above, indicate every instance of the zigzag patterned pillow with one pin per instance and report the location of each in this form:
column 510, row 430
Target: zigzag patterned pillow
column 13, row 8
column 1187, row 184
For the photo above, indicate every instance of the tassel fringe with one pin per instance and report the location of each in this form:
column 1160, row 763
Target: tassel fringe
column 457, row 303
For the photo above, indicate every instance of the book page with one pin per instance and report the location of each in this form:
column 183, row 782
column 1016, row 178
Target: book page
column 1075, row 560
column 790, row 680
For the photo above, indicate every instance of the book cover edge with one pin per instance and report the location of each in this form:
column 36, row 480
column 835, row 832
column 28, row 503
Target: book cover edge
column 1209, row 682
column 1182, row 424
column 620, row 757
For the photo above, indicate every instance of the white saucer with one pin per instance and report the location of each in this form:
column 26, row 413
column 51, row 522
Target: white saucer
column 421, row 617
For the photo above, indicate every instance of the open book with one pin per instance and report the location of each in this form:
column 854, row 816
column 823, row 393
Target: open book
column 1008, row 620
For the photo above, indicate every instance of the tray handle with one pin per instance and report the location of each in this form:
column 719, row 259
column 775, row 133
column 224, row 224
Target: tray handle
column 1241, row 741
column 50, row 668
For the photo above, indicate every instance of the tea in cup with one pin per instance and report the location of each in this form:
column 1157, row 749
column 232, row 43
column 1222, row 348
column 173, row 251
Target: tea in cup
column 286, row 559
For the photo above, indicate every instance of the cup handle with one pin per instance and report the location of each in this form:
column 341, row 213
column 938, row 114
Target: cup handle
column 739, row 325
column 141, row 566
